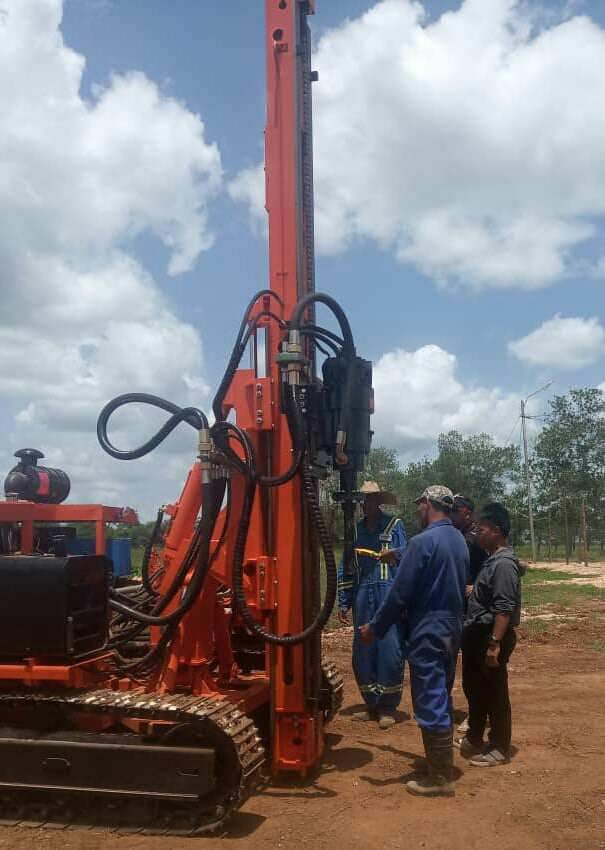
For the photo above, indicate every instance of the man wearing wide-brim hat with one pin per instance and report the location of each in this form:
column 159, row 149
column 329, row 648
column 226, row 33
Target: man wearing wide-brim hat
column 379, row 668
column 429, row 592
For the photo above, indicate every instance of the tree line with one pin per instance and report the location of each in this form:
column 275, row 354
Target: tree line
column 566, row 466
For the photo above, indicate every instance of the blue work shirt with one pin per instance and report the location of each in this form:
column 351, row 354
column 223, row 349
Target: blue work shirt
column 388, row 534
column 430, row 581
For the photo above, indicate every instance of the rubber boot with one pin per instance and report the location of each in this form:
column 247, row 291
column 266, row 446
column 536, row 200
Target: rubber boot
column 439, row 750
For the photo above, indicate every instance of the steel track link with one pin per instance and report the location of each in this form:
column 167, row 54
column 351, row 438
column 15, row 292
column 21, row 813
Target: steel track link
column 232, row 731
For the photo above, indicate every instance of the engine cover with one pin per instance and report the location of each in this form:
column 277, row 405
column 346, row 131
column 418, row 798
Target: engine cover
column 53, row 607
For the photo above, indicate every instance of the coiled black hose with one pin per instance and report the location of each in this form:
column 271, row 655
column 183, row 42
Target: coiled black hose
column 191, row 415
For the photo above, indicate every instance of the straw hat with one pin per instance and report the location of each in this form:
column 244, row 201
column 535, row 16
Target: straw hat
column 372, row 488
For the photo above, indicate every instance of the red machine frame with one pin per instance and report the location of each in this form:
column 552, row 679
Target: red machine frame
column 279, row 547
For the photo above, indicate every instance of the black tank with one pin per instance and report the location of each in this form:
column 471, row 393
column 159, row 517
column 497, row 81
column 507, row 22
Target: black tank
column 35, row 483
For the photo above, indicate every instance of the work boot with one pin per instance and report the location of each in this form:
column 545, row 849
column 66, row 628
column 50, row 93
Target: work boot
column 439, row 750
column 364, row 716
column 467, row 748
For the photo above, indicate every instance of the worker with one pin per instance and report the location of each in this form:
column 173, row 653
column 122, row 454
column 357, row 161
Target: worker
column 428, row 592
column 488, row 640
column 463, row 517
column 378, row 669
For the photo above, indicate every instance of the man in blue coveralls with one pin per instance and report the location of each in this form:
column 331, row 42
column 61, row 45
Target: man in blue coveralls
column 428, row 592
column 379, row 668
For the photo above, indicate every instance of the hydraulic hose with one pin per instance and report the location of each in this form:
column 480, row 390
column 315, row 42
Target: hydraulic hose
column 206, row 528
column 148, row 550
column 310, row 494
column 320, row 298
column 191, row 415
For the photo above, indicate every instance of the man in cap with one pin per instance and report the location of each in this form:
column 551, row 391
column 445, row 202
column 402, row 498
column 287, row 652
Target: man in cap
column 488, row 640
column 428, row 592
column 379, row 668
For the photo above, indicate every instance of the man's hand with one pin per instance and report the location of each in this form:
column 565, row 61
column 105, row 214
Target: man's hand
column 366, row 634
column 390, row 556
column 492, row 655
column 468, row 590
column 343, row 616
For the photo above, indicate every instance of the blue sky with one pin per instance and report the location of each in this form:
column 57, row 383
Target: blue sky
column 214, row 63
column 460, row 173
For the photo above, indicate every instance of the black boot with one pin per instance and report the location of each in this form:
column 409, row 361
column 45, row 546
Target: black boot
column 439, row 750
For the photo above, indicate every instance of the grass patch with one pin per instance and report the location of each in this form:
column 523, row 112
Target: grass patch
column 563, row 595
column 136, row 558
column 537, row 576
column 523, row 551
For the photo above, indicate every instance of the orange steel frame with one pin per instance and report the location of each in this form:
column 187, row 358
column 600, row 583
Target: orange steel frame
column 27, row 514
column 200, row 658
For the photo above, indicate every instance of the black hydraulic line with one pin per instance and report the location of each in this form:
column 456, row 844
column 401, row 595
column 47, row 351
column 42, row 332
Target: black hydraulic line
column 191, row 415
column 296, row 320
column 195, row 585
column 238, row 351
column 316, row 337
column 153, row 539
column 310, row 494
column 324, row 332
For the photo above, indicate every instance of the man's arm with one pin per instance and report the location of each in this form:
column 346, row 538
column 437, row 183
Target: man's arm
column 505, row 593
column 345, row 594
column 398, row 598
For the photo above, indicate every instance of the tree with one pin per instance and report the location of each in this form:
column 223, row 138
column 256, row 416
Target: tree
column 475, row 465
column 569, row 460
column 570, row 449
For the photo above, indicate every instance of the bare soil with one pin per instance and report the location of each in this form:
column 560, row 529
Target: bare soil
column 551, row 796
column 593, row 574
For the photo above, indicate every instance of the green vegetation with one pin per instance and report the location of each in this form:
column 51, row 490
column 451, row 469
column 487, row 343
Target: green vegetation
column 538, row 576
column 563, row 595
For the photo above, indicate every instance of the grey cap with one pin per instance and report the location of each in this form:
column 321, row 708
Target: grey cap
column 439, row 495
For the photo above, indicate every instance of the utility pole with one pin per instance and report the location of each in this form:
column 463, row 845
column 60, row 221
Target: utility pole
column 530, row 511
column 528, row 484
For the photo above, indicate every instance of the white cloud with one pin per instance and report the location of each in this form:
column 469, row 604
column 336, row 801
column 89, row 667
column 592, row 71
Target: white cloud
column 566, row 343
column 472, row 147
column 419, row 395
column 81, row 319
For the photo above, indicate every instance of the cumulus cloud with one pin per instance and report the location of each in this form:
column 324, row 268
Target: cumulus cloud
column 81, row 319
column 472, row 146
column 419, row 395
column 566, row 343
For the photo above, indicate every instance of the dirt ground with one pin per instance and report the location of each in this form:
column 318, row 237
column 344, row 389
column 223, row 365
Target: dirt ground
column 593, row 574
column 551, row 796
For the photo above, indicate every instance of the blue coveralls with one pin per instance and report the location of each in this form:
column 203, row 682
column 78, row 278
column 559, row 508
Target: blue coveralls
column 378, row 668
column 428, row 593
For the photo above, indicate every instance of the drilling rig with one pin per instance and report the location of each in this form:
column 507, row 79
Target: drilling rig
column 162, row 704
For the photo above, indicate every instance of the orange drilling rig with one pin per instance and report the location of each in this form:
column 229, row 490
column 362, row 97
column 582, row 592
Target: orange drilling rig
column 161, row 704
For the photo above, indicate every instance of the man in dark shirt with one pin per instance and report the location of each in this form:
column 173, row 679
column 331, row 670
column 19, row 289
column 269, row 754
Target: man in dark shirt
column 463, row 517
column 488, row 640
column 428, row 594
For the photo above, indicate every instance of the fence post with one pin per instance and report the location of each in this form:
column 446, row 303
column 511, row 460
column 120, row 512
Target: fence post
column 584, row 534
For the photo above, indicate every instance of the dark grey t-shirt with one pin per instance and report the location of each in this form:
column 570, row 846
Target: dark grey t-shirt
column 497, row 590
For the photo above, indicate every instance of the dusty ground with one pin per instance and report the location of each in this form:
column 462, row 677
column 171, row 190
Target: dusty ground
column 552, row 795
column 593, row 574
